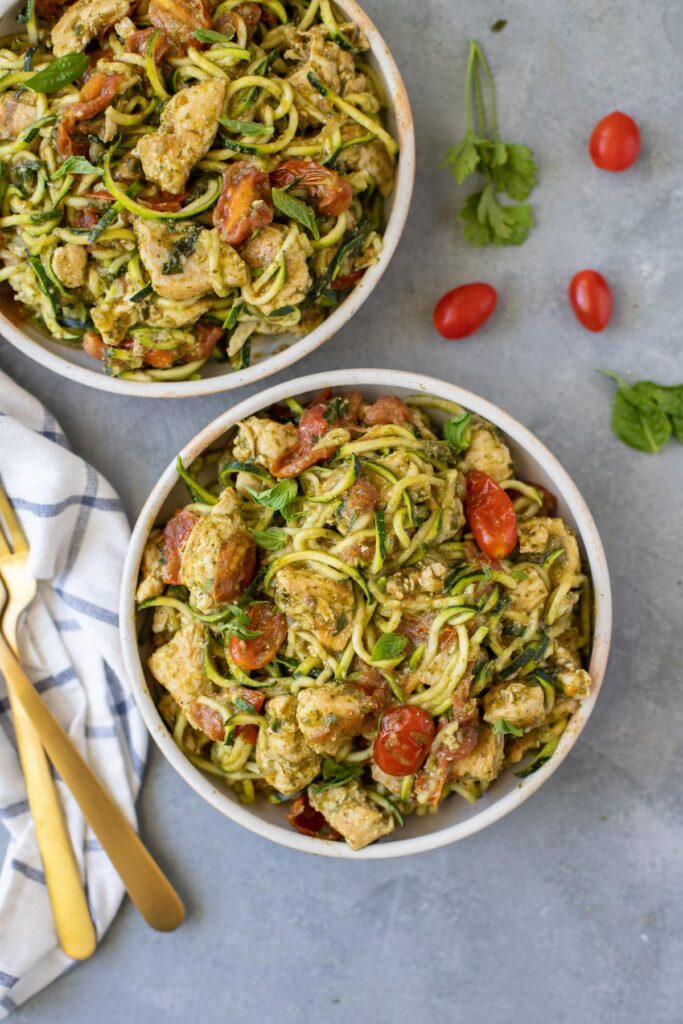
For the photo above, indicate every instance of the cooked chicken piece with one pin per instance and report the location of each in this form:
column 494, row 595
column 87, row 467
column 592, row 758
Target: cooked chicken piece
column 392, row 783
column 69, row 262
column 488, row 452
column 114, row 314
column 264, row 247
column 334, row 67
column 151, row 584
column 283, row 757
column 373, row 158
column 572, row 680
column 529, row 594
column 84, row 20
column 350, row 811
column 332, row 714
column 426, row 578
column 178, row 665
column 485, row 761
column 187, row 128
column 541, row 535
column 216, row 554
column 16, row 113
column 176, row 256
column 316, row 603
column 263, row 441
column 451, row 744
column 177, row 316
column 520, row 704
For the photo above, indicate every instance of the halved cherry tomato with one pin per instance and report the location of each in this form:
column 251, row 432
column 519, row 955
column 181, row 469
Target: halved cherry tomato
column 615, row 142
column 207, row 337
column 95, row 96
column 248, row 732
column 165, row 202
column 137, row 43
column 387, row 409
column 403, row 741
column 245, row 202
column 312, row 426
column 209, row 720
column 272, row 626
column 308, row 821
column 330, row 194
column 235, row 567
column 591, row 299
column 435, row 779
column 464, row 310
column 159, row 358
column 340, row 284
column 176, row 532
column 255, row 698
column 490, row 515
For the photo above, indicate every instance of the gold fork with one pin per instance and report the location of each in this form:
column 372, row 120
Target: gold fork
column 75, row 931
column 147, row 886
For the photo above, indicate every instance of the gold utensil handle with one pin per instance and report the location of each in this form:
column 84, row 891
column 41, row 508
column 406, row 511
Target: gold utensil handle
column 147, row 886
column 75, row 930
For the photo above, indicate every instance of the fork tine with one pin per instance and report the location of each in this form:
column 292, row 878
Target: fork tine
column 19, row 545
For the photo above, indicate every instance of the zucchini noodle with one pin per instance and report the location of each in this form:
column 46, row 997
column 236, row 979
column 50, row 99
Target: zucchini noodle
column 226, row 182
column 324, row 579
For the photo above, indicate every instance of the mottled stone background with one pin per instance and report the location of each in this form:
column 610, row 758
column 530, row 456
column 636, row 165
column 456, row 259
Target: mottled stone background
column 570, row 909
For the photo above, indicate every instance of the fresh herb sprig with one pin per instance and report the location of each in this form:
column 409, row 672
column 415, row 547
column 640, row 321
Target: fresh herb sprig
column 645, row 415
column 506, row 167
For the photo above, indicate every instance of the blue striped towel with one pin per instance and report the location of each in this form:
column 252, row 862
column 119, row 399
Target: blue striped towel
column 69, row 641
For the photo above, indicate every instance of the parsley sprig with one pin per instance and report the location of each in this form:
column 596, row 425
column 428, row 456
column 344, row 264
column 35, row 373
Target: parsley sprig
column 506, row 167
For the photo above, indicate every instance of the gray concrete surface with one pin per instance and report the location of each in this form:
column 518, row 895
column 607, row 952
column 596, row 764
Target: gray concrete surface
column 569, row 910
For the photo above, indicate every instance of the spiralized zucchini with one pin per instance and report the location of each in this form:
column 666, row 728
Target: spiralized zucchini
column 276, row 209
column 325, row 581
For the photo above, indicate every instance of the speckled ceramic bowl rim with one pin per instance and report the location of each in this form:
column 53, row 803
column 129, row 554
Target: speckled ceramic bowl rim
column 399, row 105
column 388, row 380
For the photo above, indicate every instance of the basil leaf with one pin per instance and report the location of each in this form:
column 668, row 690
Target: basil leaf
column 61, row 72
column 207, row 35
column 389, row 647
column 499, row 25
column 245, row 127
column 271, row 539
column 637, row 420
column 299, row 211
column 75, row 165
column 456, row 432
column 335, row 774
column 278, row 496
column 501, row 726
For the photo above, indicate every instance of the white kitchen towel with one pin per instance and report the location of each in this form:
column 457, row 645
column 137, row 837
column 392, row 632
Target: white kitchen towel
column 69, row 642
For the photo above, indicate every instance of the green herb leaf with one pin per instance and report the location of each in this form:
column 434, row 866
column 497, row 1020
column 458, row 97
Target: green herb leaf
column 241, row 704
column 499, row 25
column 488, row 222
column 271, row 539
column 335, row 774
column 59, row 73
column 335, row 408
column 502, row 726
column 75, row 165
column 463, row 158
column 278, row 496
column 245, row 127
column 207, row 35
column 516, row 174
column 456, row 431
column 637, row 419
column 295, row 208
column 389, row 647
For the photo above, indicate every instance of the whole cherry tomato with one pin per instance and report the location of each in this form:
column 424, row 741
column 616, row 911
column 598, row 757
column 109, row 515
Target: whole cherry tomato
column 464, row 310
column 490, row 515
column 271, row 625
column 591, row 299
column 403, row 741
column 615, row 142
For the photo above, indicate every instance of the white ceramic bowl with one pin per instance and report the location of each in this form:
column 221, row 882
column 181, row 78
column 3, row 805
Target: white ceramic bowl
column 455, row 818
column 78, row 367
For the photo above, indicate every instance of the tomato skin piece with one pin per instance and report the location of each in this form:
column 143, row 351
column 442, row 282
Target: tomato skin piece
column 330, row 194
column 591, row 299
column 464, row 310
column 615, row 142
column 308, row 821
column 245, row 203
column 93, row 345
column 490, row 515
column 403, row 741
column 235, row 567
column 257, row 652
column 176, row 532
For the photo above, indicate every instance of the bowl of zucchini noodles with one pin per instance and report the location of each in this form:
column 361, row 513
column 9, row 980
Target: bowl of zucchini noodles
column 195, row 194
column 329, row 637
